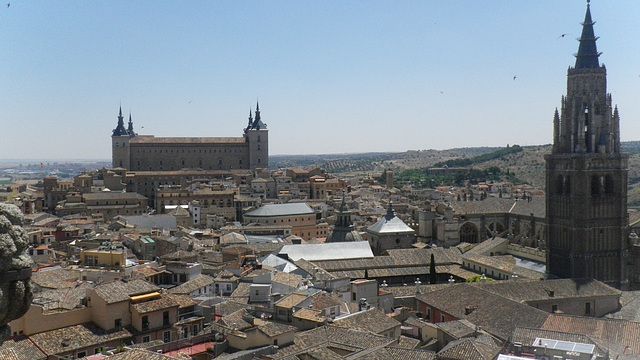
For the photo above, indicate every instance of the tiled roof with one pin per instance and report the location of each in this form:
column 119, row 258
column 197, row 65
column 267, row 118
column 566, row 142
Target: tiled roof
column 629, row 307
column 236, row 320
column 183, row 301
column 469, row 349
column 55, row 278
column 536, row 206
column 408, row 343
column 163, row 303
column 20, row 348
column 506, row 263
column 332, row 335
column 139, row 354
column 148, row 272
column 291, row 300
column 79, row 336
column 289, row 279
column 310, row 314
column 272, row 329
column 233, row 238
column 228, row 307
column 152, row 140
column 241, row 293
column 456, row 299
column 395, row 353
column 532, row 290
column 117, row 291
column 372, row 320
column 423, row 256
column 64, row 298
column 9, row 354
column 625, row 333
column 226, row 275
column 457, row 329
column 193, row 285
column 322, row 301
column 487, row 246
column 490, row 205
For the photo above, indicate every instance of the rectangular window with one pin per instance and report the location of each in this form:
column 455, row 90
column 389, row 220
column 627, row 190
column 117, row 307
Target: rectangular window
column 442, row 318
column 118, row 324
column 166, row 336
column 587, row 308
column 145, row 323
column 165, row 318
column 81, row 354
column 146, row 339
column 554, row 308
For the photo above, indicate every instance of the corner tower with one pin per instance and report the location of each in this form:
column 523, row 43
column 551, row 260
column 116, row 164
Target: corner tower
column 257, row 136
column 120, row 152
column 586, row 175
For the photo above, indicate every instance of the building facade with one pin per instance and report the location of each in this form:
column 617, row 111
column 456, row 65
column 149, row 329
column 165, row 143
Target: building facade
column 586, row 176
column 149, row 153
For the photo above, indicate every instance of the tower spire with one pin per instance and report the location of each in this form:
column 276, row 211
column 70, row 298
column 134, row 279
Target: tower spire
column 130, row 128
column 587, row 56
column 257, row 112
column 120, row 130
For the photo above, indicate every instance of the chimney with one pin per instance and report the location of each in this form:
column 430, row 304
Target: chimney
column 469, row 309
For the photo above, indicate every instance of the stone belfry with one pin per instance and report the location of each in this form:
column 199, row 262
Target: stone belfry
column 586, row 176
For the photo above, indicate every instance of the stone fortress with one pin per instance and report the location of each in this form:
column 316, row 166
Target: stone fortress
column 149, row 153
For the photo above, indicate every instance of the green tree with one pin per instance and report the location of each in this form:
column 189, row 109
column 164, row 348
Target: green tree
column 433, row 276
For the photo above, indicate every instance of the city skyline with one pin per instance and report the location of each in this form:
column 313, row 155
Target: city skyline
column 364, row 75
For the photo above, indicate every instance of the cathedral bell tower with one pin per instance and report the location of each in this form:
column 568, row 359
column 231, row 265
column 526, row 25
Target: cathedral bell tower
column 586, row 176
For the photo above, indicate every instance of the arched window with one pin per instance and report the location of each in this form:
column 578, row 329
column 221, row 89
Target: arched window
column 609, row 186
column 559, row 185
column 567, row 185
column 596, row 184
column 468, row 233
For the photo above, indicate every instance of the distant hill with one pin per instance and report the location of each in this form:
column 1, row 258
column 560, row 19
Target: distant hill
column 526, row 165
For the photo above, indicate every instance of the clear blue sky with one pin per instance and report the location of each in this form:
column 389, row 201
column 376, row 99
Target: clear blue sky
column 331, row 76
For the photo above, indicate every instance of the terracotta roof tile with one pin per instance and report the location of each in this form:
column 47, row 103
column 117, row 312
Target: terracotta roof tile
column 79, row 336
column 20, row 348
column 117, row 291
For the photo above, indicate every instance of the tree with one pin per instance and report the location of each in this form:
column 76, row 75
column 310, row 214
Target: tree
column 433, row 276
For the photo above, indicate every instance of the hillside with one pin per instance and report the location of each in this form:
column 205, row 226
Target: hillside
column 526, row 166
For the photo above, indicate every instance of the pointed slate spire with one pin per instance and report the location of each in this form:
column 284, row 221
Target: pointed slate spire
column 120, row 130
column 257, row 112
column 257, row 124
column 587, row 56
column 130, row 128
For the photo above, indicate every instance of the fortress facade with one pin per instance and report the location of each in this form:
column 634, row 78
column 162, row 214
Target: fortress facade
column 149, row 153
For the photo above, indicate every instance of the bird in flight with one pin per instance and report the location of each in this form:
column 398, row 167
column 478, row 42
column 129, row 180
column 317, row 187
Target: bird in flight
column 8, row 4
column 514, row 77
column 562, row 35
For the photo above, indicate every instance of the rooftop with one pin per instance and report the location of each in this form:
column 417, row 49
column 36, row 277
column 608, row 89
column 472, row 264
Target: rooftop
column 291, row 209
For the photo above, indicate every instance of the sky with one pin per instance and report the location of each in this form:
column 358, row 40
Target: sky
column 330, row 76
